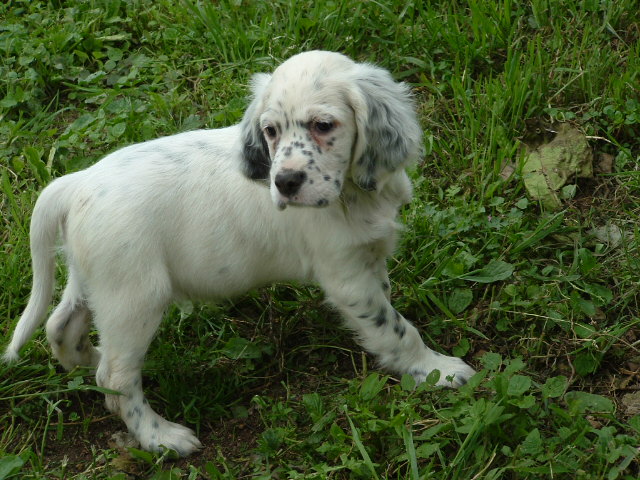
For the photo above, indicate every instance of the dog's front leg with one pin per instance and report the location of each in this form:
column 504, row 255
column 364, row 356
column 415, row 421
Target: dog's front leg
column 363, row 300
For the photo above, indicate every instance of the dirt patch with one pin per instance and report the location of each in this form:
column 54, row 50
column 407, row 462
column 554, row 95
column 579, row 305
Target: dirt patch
column 75, row 451
column 82, row 446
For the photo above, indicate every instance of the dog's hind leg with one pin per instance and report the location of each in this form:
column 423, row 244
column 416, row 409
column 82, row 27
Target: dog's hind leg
column 127, row 320
column 68, row 328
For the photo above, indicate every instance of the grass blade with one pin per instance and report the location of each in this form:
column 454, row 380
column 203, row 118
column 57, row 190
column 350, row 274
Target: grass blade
column 363, row 451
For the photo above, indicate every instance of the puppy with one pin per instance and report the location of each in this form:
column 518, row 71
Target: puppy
column 307, row 188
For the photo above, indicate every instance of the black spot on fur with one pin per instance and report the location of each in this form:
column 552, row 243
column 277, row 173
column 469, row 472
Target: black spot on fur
column 381, row 318
column 369, row 185
column 63, row 325
column 60, row 331
column 84, row 202
column 385, row 287
column 81, row 346
column 156, row 425
column 322, row 202
column 177, row 158
column 327, row 178
column 415, row 372
column 399, row 329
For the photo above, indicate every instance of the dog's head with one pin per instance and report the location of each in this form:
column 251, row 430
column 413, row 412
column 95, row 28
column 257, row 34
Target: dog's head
column 321, row 120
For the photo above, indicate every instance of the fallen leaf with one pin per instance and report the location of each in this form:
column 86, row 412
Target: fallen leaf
column 631, row 402
column 548, row 168
column 507, row 171
column 609, row 234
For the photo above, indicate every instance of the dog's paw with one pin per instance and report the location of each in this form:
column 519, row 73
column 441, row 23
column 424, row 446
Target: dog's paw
column 454, row 372
column 160, row 433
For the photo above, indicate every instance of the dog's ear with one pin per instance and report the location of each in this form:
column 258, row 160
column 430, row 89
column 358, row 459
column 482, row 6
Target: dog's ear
column 389, row 135
column 254, row 147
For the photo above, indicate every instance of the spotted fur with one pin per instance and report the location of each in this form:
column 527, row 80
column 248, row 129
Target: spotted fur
column 307, row 188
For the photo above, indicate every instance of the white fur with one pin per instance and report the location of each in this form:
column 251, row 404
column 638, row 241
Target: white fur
column 199, row 215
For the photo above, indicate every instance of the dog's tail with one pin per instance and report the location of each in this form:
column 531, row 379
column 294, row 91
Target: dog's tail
column 48, row 217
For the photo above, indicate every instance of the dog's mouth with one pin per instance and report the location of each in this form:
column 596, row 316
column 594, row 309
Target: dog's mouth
column 283, row 202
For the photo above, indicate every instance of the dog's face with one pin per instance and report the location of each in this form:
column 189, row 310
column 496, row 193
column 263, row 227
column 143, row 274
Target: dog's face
column 310, row 131
column 322, row 120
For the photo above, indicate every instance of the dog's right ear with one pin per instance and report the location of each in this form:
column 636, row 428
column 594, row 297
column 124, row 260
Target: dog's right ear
column 254, row 147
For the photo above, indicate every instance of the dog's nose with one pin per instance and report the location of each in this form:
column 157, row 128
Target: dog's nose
column 289, row 181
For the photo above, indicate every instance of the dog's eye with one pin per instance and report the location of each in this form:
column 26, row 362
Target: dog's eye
column 270, row 131
column 323, row 127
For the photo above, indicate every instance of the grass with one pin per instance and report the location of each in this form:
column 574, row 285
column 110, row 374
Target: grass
column 544, row 304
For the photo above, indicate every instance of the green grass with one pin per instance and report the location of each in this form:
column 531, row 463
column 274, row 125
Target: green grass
column 544, row 304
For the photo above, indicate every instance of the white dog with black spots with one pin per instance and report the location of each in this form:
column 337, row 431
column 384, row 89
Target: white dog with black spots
column 306, row 188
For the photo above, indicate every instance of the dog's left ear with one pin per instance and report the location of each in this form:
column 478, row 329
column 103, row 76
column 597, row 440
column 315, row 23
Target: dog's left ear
column 389, row 135
column 254, row 147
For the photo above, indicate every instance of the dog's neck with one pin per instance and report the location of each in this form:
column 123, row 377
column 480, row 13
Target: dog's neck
column 386, row 200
